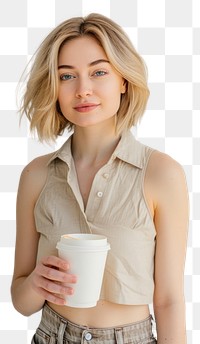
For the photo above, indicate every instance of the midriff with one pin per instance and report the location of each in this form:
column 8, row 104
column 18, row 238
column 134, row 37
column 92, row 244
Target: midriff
column 105, row 314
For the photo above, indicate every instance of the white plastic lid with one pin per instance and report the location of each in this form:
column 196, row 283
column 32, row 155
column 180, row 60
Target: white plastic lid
column 68, row 248
column 82, row 239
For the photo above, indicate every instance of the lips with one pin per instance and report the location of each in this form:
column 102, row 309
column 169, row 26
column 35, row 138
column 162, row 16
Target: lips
column 86, row 107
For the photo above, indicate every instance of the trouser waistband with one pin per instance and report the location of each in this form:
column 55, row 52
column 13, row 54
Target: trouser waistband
column 64, row 331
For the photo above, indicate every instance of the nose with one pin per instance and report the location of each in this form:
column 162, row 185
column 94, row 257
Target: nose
column 84, row 88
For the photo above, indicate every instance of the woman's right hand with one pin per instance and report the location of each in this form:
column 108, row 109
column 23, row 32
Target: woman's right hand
column 49, row 279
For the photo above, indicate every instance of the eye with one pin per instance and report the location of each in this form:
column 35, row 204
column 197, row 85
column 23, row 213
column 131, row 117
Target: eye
column 100, row 73
column 65, row 77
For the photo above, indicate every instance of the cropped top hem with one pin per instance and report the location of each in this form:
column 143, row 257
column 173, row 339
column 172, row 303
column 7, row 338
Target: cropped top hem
column 139, row 301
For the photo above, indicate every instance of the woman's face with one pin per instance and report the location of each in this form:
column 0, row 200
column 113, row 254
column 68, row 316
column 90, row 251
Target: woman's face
column 89, row 87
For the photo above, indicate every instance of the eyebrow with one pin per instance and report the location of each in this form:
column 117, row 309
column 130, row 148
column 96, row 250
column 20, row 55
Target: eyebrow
column 93, row 63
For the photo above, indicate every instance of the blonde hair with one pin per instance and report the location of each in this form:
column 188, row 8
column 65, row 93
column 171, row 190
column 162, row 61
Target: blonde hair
column 39, row 101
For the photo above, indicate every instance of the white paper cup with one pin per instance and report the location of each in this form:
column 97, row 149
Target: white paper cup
column 86, row 255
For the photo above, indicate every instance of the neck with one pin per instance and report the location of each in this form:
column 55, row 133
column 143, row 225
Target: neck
column 93, row 146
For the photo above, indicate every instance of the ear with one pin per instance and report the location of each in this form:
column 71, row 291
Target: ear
column 123, row 86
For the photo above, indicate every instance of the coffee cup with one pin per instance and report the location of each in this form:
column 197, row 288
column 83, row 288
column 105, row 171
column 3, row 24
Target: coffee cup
column 86, row 255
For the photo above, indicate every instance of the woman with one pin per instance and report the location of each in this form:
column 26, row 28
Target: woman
column 87, row 77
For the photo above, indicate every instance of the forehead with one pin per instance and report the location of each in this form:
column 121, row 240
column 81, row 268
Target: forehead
column 84, row 48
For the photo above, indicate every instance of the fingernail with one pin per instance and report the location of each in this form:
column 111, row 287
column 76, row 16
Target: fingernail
column 66, row 266
column 71, row 291
column 74, row 279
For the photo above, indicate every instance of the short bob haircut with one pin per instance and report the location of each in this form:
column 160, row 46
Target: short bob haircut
column 40, row 98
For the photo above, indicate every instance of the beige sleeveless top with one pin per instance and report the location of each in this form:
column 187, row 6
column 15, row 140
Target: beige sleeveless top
column 116, row 208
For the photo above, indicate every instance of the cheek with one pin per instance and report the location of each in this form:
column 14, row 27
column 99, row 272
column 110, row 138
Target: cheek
column 113, row 95
column 60, row 94
column 113, row 101
column 65, row 91
column 113, row 88
column 63, row 97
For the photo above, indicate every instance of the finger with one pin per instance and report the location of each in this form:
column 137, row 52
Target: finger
column 55, row 288
column 56, row 262
column 56, row 275
column 54, row 298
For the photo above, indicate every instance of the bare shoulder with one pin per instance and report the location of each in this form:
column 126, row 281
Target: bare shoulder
column 165, row 180
column 33, row 176
column 38, row 164
column 162, row 168
column 37, row 167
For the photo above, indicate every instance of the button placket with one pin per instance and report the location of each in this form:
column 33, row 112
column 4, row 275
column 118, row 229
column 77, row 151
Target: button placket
column 97, row 193
column 105, row 175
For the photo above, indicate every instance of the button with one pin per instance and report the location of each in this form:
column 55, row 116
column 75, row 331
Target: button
column 106, row 175
column 99, row 194
column 88, row 336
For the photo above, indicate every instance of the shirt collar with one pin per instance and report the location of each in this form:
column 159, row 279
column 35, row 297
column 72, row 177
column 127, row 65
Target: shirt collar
column 128, row 150
column 63, row 153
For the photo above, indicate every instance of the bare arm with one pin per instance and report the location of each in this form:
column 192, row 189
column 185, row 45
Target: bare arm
column 34, row 283
column 170, row 208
